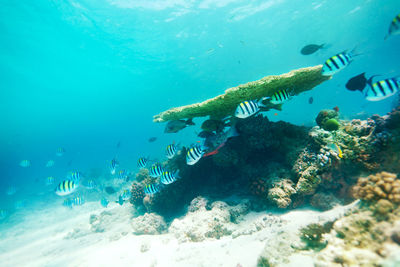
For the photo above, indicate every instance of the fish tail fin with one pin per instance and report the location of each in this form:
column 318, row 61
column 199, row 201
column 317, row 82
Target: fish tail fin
column 355, row 52
column 260, row 102
column 190, row 121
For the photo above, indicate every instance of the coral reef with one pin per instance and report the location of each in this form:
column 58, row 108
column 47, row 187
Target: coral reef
column 148, row 224
column 328, row 119
column 201, row 223
column 324, row 201
column 281, row 191
column 312, row 235
column 137, row 194
column 224, row 105
column 381, row 186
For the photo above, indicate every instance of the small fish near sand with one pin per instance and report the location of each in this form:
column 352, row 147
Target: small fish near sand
column 311, row 49
column 25, row 163
column 394, row 28
column 104, row 202
column 310, row 100
column 177, row 125
column 382, row 89
column 113, row 165
column 66, row 187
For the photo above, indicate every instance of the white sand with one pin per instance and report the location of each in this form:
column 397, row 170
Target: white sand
column 58, row 236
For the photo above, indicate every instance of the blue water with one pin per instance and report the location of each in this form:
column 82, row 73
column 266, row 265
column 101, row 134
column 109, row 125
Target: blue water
column 85, row 75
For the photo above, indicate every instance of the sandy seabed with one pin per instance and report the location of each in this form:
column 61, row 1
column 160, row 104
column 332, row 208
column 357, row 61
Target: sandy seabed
column 58, row 236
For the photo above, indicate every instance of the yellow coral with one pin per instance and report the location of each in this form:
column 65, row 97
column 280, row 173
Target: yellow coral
column 383, row 185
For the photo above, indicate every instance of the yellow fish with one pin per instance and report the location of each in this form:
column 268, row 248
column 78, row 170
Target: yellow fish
column 336, row 148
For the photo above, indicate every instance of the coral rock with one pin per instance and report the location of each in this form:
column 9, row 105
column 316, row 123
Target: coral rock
column 148, row 224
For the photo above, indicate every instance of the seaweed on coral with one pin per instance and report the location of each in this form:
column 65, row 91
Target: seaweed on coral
column 312, row 235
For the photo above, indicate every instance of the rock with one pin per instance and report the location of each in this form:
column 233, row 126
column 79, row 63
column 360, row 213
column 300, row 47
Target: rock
column 148, row 224
column 324, row 201
column 197, row 204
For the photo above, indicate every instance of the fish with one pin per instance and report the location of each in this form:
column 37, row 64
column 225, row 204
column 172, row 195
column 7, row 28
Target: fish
column 142, row 162
column 113, row 165
column 3, row 214
column 50, row 180
column 311, row 49
column 19, row 204
column 156, row 170
column 66, row 187
column 338, row 62
column 171, row 151
column 104, row 202
column 215, row 142
column 214, row 152
column 75, row 176
column 68, row 203
column 152, row 139
column 212, row 125
column 394, row 28
column 357, row 83
column 194, row 154
column 78, row 201
column 177, row 125
column 120, row 200
column 334, row 147
column 126, row 194
column 151, row 189
column 109, row 190
column 247, row 109
column 50, row 163
column 168, row 177
column 90, row 184
column 25, row 163
column 382, row 89
column 122, row 174
column 281, row 96
column 205, row 134
column 60, row 152
column 11, row 190
column 310, row 100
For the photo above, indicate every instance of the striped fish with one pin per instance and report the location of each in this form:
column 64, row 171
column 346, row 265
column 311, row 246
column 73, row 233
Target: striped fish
column 151, row 189
column 75, row 176
column 280, row 97
column 382, row 89
column 142, row 162
column 194, row 154
column 50, row 180
column 66, row 187
column 171, row 151
column 78, row 201
column 122, row 174
column 168, row 177
column 247, row 109
column 113, row 165
column 394, row 28
column 156, row 170
column 68, row 203
column 337, row 63
column 90, row 184
column 3, row 214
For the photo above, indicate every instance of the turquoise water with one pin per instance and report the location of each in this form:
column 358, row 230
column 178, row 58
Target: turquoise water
column 85, row 75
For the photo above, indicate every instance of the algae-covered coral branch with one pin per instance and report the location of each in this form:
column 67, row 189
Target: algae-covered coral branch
column 224, row 105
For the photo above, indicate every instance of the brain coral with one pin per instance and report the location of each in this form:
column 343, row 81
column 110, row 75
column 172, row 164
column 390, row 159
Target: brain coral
column 383, row 185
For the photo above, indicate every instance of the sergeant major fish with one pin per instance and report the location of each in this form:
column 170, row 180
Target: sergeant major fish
column 194, row 154
column 66, row 187
column 142, row 162
column 113, row 166
column 281, row 96
column 168, row 177
column 338, row 62
column 156, row 170
column 171, row 151
column 248, row 108
column 382, row 89
column 394, row 28
column 151, row 189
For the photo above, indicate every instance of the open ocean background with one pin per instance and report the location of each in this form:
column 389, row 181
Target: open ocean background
column 86, row 75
